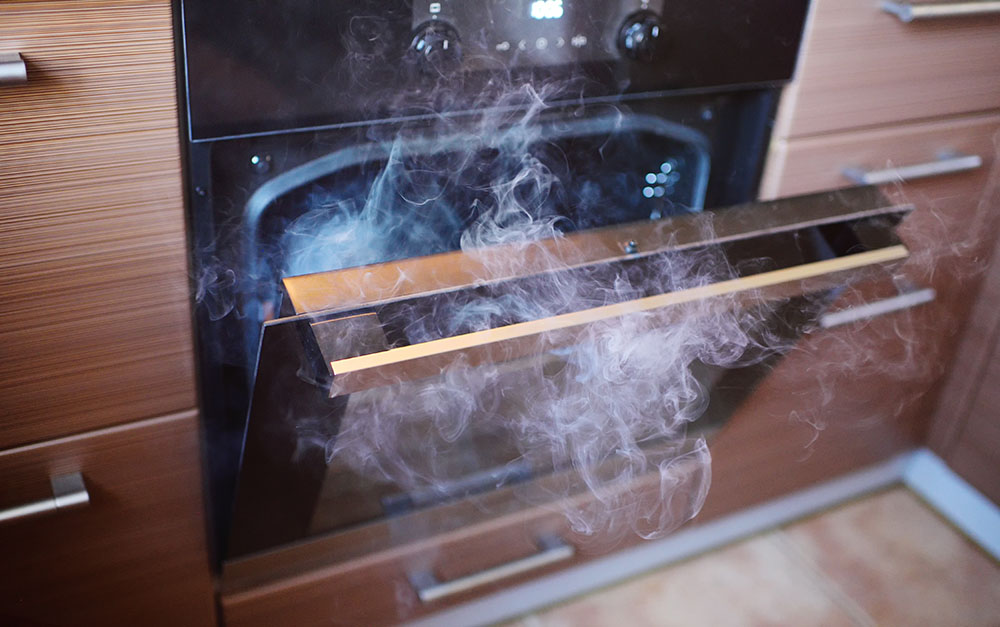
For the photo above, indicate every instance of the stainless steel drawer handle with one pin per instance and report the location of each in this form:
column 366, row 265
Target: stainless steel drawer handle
column 12, row 69
column 945, row 164
column 907, row 12
column 67, row 491
column 429, row 589
column 905, row 300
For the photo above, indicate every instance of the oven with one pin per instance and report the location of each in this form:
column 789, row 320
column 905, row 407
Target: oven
column 458, row 260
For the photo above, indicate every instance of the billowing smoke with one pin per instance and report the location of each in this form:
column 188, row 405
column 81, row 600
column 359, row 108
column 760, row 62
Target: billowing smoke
column 606, row 414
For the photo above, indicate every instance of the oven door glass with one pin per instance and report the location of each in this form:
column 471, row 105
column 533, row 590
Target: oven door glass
column 536, row 369
column 418, row 194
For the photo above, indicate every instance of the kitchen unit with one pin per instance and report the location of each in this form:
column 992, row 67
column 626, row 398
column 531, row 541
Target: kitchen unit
column 867, row 106
column 100, row 462
column 98, row 393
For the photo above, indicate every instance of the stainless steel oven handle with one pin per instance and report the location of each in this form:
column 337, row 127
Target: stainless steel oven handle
column 945, row 164
column 907, row 12
column 67, row 491
column 12, row 69
column 429, row 589
column 904, row 300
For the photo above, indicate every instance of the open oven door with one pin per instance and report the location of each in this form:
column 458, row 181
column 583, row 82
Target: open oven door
column 349, row 339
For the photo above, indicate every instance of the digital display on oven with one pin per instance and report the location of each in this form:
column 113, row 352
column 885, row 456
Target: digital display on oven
column 513, row 33
column 546, row 9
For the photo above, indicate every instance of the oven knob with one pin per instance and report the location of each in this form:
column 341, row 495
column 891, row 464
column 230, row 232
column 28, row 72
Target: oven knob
column 640, row 35
column 437, row 48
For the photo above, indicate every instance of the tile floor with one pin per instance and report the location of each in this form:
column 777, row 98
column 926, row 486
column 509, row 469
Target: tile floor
column 886, row 559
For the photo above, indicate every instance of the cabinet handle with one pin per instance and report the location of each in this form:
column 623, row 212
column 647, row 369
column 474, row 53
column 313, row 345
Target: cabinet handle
column 907, row 12
column 429, row 589
column 12, row 69
column 67, row 491
column 946, row 164
column 905, row 300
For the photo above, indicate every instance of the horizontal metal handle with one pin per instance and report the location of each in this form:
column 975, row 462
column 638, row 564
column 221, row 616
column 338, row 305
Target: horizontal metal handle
column 429, row 589
column 905, row 300
column 946, row 164
column 12, row 69
column 67, row 491
column 907, row 12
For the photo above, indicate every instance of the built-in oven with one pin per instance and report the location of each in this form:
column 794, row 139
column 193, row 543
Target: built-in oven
column 455, row 260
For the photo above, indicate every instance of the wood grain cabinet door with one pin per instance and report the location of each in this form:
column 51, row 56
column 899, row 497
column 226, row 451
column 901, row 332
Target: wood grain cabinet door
column 862, row 67
column 94, row 314
column 850, row 396
column 133, row 554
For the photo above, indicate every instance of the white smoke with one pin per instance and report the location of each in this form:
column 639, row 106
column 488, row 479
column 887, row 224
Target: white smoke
column 608, row 414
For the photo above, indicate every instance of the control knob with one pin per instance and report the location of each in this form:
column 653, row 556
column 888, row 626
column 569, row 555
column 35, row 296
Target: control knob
column 639, row 35
column 437, row 48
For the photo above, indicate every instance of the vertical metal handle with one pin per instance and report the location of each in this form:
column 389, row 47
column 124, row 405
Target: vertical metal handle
column 12, row 69
column 428, row 588
column 907, row 12
column 946, row 164
column 67, row 491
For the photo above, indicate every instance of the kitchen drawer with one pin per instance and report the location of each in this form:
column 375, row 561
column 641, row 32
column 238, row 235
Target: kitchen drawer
column 371, row 574
column 860, row 66
column 950, row 232
column 95, row 320
column 801, row 166
column 94, row 68
column 134, row 555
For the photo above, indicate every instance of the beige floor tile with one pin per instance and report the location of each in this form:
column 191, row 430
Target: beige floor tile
column 751, row 583
column 901, row 563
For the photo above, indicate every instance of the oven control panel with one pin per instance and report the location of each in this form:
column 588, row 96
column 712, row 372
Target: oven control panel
column 452, row 34
column 276, row 65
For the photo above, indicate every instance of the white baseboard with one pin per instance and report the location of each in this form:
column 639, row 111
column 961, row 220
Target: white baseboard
column 966, row 508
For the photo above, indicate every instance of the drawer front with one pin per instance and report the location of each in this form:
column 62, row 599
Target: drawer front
column 94, row 322
column 93, row 69
column 378, row 590
column 860, row 66
column 801, row 166
column 134, row 554
column 420, row 577
column 951, row 230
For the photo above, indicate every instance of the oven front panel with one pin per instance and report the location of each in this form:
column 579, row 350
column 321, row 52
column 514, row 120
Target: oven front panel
column 264, row 66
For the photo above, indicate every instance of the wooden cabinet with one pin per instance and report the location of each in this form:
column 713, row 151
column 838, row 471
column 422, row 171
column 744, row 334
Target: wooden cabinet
column 860, row 67
column 94, row 322
column 134, row 555
column 96, row 363
column 873, row 94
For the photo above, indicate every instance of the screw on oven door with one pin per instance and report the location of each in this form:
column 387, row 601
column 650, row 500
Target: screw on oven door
column 260, row 163
column 631, row 247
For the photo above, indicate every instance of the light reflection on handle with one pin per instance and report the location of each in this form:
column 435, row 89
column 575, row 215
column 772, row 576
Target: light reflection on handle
column 907, row 12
